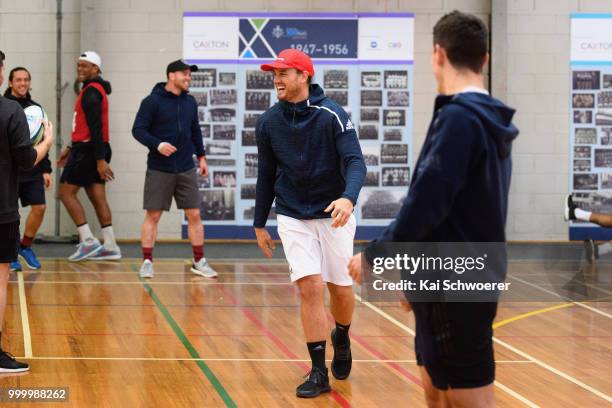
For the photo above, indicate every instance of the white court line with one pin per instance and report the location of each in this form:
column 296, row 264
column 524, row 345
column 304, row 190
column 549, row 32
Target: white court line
column 515, row 350
column 25, row 321
column 386, row 316
column 516, row 395
column 554, row 370
column 533, row 285
column 275, row 262
column 180, row 260
column 593, row 309
column 151, row 282
column 259, row 360
column 598, row 288
column 409, row 330
column 64, row 272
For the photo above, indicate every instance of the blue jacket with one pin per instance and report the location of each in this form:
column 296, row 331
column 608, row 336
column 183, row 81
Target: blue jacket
column 166, row 117
column 459, row 190
column 308, row 156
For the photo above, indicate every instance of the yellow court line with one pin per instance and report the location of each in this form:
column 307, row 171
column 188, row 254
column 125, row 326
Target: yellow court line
column 581, row 304
column 528, row 314
column 25, row 321
column 511, row 348
column 412, row 332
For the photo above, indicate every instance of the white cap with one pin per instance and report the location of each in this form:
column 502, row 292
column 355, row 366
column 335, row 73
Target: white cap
column 91, row 56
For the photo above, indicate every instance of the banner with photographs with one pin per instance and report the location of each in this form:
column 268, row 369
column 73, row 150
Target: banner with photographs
column 591, row 120
column 372, row 81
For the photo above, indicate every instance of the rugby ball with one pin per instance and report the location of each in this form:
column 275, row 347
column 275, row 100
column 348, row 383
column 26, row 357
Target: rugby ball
column 35, row 116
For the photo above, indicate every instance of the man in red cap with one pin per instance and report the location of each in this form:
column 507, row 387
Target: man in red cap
column 310, row 161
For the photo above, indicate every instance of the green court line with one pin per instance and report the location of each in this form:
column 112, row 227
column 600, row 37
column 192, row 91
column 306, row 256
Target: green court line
column 187, row 344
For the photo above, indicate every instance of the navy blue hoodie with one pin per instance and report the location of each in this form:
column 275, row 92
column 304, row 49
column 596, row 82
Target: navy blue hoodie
column 166, row 117
column 459, row 190
column 308, row 156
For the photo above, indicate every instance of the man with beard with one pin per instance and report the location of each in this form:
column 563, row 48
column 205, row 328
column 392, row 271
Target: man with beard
column 310, row 161
column 32, row 183
column 167, row 124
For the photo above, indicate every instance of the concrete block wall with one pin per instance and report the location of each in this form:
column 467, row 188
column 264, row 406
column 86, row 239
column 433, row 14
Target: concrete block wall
column 28, row 38
column 137, row 38
column 538, row 86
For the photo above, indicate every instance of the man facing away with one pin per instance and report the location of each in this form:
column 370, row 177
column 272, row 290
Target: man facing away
column 86, row 162
column 167, row 124
column 458, row 193
column 16, row 155
column 310, row 160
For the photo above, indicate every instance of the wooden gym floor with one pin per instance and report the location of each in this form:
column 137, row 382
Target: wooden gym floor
column 183, row 341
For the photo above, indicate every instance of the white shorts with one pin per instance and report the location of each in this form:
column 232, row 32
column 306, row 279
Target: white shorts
column 313, row 247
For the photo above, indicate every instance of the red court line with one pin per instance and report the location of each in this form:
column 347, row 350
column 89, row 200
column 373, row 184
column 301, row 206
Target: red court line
column 278, row 342
column 362, row 342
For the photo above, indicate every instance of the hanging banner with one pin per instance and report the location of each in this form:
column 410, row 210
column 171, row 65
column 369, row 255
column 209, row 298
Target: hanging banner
column 365, row 64
column 591, row 120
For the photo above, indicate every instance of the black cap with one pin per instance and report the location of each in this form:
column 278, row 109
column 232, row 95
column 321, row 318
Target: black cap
column 180, row 65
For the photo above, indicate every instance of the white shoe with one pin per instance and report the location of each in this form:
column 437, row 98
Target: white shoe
column 107, row 255
column 202, row 268
column 570, row 208
column 146, row 269
column 86, row 249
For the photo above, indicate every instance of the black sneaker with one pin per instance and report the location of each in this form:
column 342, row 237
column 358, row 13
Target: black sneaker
column 317, row 383
column 8, row 364
column 591, row 252
column 570, row 207
column 342, row 361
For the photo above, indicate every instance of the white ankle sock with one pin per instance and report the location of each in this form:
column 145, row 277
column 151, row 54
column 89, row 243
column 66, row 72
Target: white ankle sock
column 582, row 215
column 109, row 238
column 84, row 232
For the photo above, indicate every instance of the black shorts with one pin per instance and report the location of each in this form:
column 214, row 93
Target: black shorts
column 454, row 342
column 9, row 236
column 32, row 192
column 82, row 167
